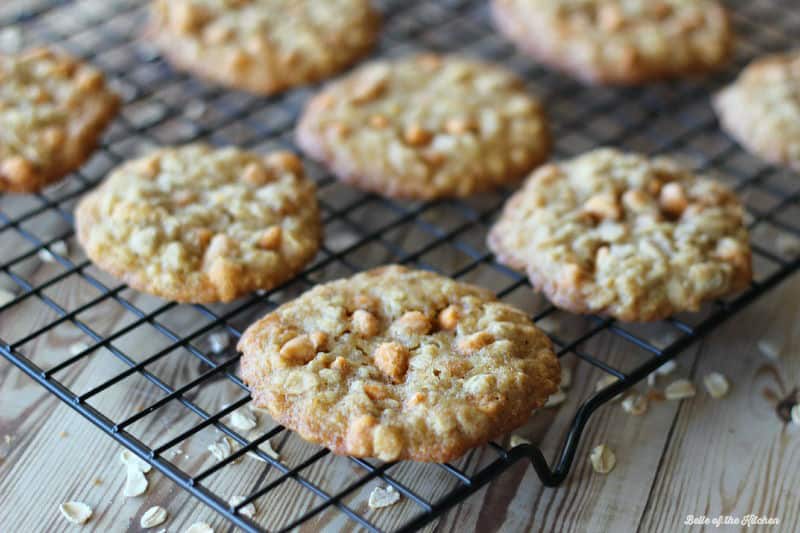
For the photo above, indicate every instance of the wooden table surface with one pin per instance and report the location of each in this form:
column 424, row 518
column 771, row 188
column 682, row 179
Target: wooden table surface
column 732, row 456
column 704, row 457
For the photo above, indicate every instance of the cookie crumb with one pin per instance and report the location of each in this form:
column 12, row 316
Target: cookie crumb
column 248, row 510
column 679, row 389
column 76, row 512
column 603, row 459
column 59, row 248
column 555, row 399
column 219, row 341
column 135, row 482
column 635, row 404
column 716, row 384
column 200, row 527
column 153, row 517
column 769, row 349
column 383, row 497
column 244, row 420
column 517, row 440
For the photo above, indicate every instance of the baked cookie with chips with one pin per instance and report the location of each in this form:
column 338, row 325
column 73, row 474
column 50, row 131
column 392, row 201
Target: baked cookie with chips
column 623, row 235
column 53, row 110
column 202, row 224
column 263, row 46
column 398, row 364
column 620, row 42
column 426, row 126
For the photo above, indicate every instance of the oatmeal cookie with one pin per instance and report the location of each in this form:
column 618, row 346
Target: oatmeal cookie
column 761, row 109
column 263, row 46
column 623, row 235
column 53, row 109
column 398, row 364
column 199, row 224
column 620, row 42
column 426, row 126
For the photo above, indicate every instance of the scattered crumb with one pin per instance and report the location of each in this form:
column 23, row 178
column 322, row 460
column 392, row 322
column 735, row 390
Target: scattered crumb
column 131, row 460
column 516, row 440
column 635, row 404
column 223, row 448
column 78, row 347
column 200, row 527
column 555, row 399
column 219, row 341
column 265, row 447
column 606, row 381
column 769, row 349
column 135, row 482
column 716, row 384
column 603, row 459
column 667, row 368
column 63, row 434
column 154, row 516
column 383, row 497
column 59, row 248
column 248, row 510
column 244, row 420
column 97, row 482
column 679, row 389
column 76, row 512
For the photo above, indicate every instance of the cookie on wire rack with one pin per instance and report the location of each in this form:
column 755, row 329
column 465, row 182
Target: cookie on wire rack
column 202, row 224
column 761, row 109
column 398, row 364
column 53, row 110
column 623, row 235
column 263, row 46
column 426, row 126
column 620, row 42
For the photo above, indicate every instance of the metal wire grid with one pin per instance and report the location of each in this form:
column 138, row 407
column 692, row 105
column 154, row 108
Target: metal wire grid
column 362, row 230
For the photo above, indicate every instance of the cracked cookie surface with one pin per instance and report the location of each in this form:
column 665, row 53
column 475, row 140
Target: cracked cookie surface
column 622, row 235
column 426, row 126
column 398, row 364
column 263, row 46
column 200, row 224
column 761, row 109
column 53, row 109
column 620, row 41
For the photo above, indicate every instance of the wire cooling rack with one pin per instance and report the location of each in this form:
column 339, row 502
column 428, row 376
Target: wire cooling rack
column 92, row 341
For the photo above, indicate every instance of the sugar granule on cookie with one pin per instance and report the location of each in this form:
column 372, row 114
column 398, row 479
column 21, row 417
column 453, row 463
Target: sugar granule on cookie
column 263, row 46
column 426, row 126
column 761, row 109
column 623, row 235
column 620, row 42
column 53, row 110
column 446, row 368
column 201, row 224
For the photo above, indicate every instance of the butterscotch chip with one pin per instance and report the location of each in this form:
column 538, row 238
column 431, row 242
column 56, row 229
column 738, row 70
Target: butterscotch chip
column 620, row 41
column 452, row 127
column 263, row 46
column 400, row 393
column 195, row 231
column 659, row 251
column 53, row 110
column 761, row 109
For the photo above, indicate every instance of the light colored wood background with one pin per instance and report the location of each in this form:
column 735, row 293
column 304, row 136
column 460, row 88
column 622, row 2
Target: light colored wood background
column 701, row 456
